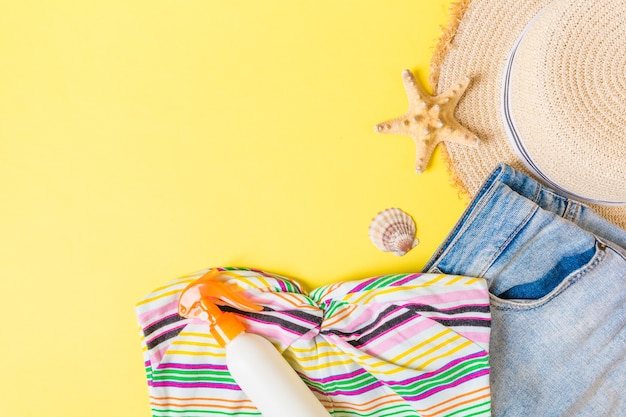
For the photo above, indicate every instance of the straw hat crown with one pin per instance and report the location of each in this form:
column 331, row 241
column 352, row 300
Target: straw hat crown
column 548, row 94
column 568, row 97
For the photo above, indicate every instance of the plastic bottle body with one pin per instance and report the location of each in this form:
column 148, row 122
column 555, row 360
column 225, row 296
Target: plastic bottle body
column 259, row 369
column 268, row 379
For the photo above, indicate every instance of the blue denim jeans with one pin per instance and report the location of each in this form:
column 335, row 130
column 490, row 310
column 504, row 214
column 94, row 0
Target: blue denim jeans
column 556, row 273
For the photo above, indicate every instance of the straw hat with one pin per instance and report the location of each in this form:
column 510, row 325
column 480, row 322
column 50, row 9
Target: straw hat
column 548, row 94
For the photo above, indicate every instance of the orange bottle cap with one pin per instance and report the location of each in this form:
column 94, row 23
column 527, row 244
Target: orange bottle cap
column 198, row 301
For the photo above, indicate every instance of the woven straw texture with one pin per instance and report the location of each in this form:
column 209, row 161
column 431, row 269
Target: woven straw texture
column 585, row 100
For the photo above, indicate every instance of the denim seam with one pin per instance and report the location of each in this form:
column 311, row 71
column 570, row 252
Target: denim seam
column 508, row 241
column 507, row 305
column 538, row 189
column 462, row 224
column 572, row 211
column 572, row 208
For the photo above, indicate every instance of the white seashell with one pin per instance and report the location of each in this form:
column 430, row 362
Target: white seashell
column 393, row 230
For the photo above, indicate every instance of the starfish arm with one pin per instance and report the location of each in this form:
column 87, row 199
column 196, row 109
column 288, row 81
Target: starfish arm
column 459, row 134
column 395, row 126
column 418, row 98
column 423, row 152
column 453, row 94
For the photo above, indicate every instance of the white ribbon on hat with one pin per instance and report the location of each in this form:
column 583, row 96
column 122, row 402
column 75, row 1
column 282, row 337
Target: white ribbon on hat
column 515, row 138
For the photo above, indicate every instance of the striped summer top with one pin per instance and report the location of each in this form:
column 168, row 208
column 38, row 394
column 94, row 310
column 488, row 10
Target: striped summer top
column 392, row 345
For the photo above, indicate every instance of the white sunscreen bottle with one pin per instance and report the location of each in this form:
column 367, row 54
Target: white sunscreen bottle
column 259, row 369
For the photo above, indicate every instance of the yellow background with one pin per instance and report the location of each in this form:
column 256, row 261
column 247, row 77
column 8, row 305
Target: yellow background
column 142, row 140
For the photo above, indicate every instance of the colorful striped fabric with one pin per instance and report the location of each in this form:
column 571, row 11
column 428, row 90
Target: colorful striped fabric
column 392, row 345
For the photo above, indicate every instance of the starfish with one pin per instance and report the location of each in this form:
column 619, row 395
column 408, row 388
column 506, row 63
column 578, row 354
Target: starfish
column 429, row 120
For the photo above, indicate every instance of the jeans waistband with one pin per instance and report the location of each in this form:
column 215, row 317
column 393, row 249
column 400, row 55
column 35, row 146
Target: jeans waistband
column 514, row 195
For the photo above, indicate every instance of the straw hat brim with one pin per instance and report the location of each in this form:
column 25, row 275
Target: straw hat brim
column 477, row 43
